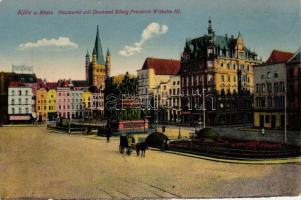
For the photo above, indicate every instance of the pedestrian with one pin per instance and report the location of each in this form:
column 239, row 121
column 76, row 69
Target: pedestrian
column 109, row 134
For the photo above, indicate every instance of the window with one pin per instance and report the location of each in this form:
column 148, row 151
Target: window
column 13, row 92
column 248, row 67
column 262, row 87
column 262, row 76
column 222, row 78
column 26, row 101
column 270, row 105
column 228, row 65
column 276, row 75
column 228, row 78
column 233, row 65
column 257, row 88
column 13, row 102
column 20, row 92
column 20, row 101
column 241, row 67
column 276, row 87
column 269, row 75
column 26, row 110
column 267, row 119
column 234, row 79
column 222, row 64
column 13, row 110
column 20, row 110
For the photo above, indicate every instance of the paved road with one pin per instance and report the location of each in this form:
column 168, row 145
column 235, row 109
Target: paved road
column 37, row 163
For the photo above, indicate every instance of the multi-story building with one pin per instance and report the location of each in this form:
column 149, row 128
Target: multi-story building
column 93, row 103
column 220, row 65
column 270, row 83
column 98, row 70
column 5, row 79
column 41, row 105
column 51, row 104
column 63, row 102
column 293, row 92
column 19, row 103
column 154, row 72
column 77, row 104
column 167, row 99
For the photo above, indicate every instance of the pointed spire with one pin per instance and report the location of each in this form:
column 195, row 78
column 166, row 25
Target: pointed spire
column 87, row 54
column 108, row 52
column 210, row 30
column 98, row 49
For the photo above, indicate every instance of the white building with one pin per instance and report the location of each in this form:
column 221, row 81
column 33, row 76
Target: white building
column 77, row 104
column 19, row 102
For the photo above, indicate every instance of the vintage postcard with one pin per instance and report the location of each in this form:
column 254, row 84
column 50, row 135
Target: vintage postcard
column 136, row 99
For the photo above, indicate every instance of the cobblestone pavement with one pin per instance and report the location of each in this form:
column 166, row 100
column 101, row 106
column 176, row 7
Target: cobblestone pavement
column 40, row 164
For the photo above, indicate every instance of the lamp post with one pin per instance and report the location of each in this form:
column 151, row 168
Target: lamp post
column 204, row 106
column 179, row 121
column 285, row 117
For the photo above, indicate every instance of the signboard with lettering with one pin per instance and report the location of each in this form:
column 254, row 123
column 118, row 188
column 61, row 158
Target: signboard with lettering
column 23, row 69
column 19, row 117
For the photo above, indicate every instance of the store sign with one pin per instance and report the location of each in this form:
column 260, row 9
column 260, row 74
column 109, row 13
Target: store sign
column 22, row 69
column 19, row 117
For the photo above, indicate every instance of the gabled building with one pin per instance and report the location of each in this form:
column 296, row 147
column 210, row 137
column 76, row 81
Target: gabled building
column 154, row 72
column 98, row 69
column 223, row 66
column 269, row 96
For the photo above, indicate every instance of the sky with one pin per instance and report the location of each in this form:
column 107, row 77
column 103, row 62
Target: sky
column 56, row 45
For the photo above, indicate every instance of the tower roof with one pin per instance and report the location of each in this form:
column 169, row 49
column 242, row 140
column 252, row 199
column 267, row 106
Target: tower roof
column 108, row 52
column 98, row 49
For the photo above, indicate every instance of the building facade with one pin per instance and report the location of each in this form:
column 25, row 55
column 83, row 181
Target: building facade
column 77, row 104
column 155, row 71
column 41, row 105
column 167, row 98
column 19, row 103
column 293, row 92
column 98, row 69
column 5, row 79
column 63, row 102
column 219, row 65
column 269, row 97
column 51, row 104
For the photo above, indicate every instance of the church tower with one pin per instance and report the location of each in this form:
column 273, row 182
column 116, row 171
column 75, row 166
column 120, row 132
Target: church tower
column 108, row 64
column 97, row 69
column 98, row 64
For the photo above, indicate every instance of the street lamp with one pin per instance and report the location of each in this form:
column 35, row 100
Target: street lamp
column 285, row 117
column 179, row 121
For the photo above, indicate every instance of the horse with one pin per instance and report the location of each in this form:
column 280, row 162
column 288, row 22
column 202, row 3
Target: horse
column 141, row 146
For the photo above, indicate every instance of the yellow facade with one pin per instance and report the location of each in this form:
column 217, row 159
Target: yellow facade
column 51, row 101
column 99, row 74
column 226, row 68
column 41, row 104
column 273, row 120
column 86, row 99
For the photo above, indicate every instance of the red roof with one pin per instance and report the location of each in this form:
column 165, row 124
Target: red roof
column 279, row 57
column 16, row 84
column 162, row 66
column 51, row 85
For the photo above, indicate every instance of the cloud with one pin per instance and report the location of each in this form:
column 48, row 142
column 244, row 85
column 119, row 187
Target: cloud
column 152, row 30
column 63, row 42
